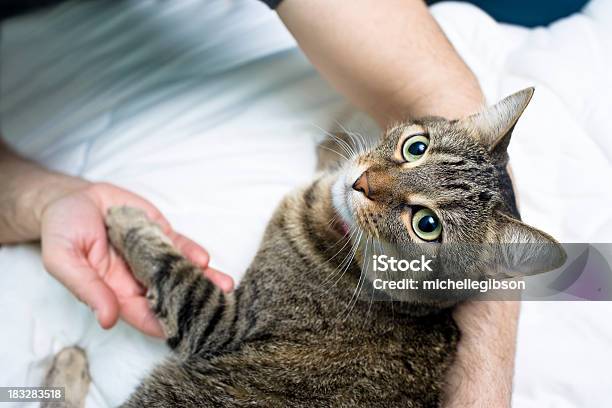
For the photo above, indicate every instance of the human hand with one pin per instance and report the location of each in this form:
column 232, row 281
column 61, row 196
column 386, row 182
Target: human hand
column 76, row 252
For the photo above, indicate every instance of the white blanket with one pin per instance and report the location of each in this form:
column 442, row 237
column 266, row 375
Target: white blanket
column 208, row 109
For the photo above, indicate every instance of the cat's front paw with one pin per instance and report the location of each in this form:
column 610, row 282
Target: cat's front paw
column 126, row 225
column 140, row 241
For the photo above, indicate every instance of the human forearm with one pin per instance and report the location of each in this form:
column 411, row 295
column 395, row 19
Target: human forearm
column 390, row 58
column 483, row 371
column 26, row 189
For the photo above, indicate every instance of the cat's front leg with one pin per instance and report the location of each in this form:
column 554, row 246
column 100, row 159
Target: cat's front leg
column 141, row 243
column 196, row 315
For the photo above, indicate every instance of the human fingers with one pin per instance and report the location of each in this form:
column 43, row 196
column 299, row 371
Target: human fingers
column 137, row 313
column 191, row 250
column 222, row 280
column 76, row 275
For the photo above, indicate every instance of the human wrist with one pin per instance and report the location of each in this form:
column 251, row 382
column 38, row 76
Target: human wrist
column 29, row 189
column 50, row 188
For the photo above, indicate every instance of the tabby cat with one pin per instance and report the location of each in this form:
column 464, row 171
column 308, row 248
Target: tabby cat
column 301, row 330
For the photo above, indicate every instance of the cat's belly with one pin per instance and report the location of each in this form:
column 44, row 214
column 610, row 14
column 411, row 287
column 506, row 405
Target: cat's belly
column 331, row 369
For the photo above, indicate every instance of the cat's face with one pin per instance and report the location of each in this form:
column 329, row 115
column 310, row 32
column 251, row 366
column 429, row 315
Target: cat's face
column 433, row 187
column 427, row 181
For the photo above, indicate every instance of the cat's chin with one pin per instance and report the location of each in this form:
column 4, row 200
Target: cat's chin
column 343, row 199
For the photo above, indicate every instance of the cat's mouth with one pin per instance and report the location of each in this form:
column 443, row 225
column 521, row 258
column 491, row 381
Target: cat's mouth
column 342, row 227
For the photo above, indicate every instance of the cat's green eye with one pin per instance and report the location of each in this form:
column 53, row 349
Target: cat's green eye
column 426, row 225
column 414, row 147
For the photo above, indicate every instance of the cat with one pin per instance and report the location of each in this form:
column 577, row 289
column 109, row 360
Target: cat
column 302, row 329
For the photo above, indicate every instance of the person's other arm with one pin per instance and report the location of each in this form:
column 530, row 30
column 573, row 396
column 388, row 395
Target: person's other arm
column 67, row 214
column 483, row 370
column 391, row 59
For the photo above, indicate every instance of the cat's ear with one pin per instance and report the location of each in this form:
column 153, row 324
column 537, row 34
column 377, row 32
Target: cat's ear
column 521, row 250
column 493, row 126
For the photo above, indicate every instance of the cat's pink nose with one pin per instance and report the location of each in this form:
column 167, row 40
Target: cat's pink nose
column 361, row 184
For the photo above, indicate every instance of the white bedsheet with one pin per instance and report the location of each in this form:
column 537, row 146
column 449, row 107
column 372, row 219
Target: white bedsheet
column 208, row 109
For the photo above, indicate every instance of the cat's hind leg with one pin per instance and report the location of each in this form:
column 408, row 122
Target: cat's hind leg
column 69, row 370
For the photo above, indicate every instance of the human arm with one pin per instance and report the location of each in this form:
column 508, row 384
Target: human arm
column 483, row 370
column 67, row 214
column 389, row 58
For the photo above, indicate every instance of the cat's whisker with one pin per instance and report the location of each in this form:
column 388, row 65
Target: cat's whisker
column 362, row 143
column 342, row 239
column 360, row 273
column 374, row 242
column 347, row 261
column 347, row 242
column 340, row 267
column 335, row 151
column 332, row 220
column 355, row 147
column 350, row 260
column 381, row 252
column 346, row 147
column 369, row 142
column 360, row 282
column 342, row 144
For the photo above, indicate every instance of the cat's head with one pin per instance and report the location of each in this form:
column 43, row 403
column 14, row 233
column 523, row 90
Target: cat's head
column 439, row 187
